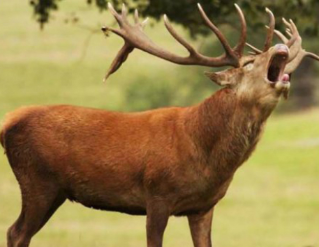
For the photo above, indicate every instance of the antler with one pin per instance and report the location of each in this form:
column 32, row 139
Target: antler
column 297, row 53
column 269, row 37
column 271, row 29
column 134, row 37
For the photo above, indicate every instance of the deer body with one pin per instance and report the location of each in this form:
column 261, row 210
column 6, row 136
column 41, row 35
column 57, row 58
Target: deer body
column 117, row 161
column 170, row 161
column 180, row 158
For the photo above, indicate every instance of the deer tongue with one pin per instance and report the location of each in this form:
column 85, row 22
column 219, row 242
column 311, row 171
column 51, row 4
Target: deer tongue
column 285, row 78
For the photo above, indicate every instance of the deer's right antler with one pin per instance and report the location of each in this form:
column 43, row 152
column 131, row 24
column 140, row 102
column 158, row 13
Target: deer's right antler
column 134, row 37
column 297, row 53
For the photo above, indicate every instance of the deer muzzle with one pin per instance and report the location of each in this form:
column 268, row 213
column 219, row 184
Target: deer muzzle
column 277, row 64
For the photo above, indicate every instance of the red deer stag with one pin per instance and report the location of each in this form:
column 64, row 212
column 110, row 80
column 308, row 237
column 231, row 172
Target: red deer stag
column 171, row 161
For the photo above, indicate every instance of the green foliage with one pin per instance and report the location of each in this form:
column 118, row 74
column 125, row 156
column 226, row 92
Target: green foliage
column 42, row 9
column 166, row 90
column 304, row 12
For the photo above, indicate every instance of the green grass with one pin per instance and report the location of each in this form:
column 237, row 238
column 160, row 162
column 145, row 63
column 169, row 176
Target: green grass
column 273, row 200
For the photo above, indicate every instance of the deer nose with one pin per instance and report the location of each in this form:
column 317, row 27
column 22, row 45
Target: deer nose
column 281, row 48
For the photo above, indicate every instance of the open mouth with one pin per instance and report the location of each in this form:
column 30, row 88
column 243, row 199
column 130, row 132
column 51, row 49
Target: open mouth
column 277, row 66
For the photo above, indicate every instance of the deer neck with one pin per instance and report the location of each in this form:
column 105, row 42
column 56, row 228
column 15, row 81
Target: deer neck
column 226, row 129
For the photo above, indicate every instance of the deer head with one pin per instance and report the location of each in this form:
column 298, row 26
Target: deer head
column 260, row 76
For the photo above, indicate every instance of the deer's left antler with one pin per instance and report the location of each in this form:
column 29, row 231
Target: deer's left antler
column 297, row 53
column 294, row 42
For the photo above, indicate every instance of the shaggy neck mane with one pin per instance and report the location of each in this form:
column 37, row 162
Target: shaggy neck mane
column 226, row 129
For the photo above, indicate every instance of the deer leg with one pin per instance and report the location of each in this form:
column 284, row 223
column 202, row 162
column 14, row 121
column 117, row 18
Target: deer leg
column 200, row 226
column 157, row 218
column 37, row 208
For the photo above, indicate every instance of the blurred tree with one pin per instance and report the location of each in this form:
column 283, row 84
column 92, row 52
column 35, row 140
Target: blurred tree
column 184, row 12
column 304, row 12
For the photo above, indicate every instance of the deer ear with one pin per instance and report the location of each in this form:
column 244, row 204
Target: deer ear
column 227, row 77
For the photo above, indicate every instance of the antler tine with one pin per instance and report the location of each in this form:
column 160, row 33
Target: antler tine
column 286, row 22
column 293, row 30
column 239, row 49
column 143, row 24
column 297, row 60
column 126, row 48
column 289, row 33
column 293, row 26
column 295, row 41
column 281, row 36
column 119, row 59
column 218, row 33
column 114, row 13
column 106, row 29
column 256, row 50
column 183, row 42
column 136, row 16
column 124, row 10
column 312, row 55
column 271, row 29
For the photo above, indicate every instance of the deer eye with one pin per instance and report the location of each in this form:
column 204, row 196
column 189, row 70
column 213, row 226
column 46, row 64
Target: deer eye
column 249, row 66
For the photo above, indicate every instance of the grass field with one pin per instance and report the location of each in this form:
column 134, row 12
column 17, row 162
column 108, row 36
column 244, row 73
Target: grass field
column 273, row 200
